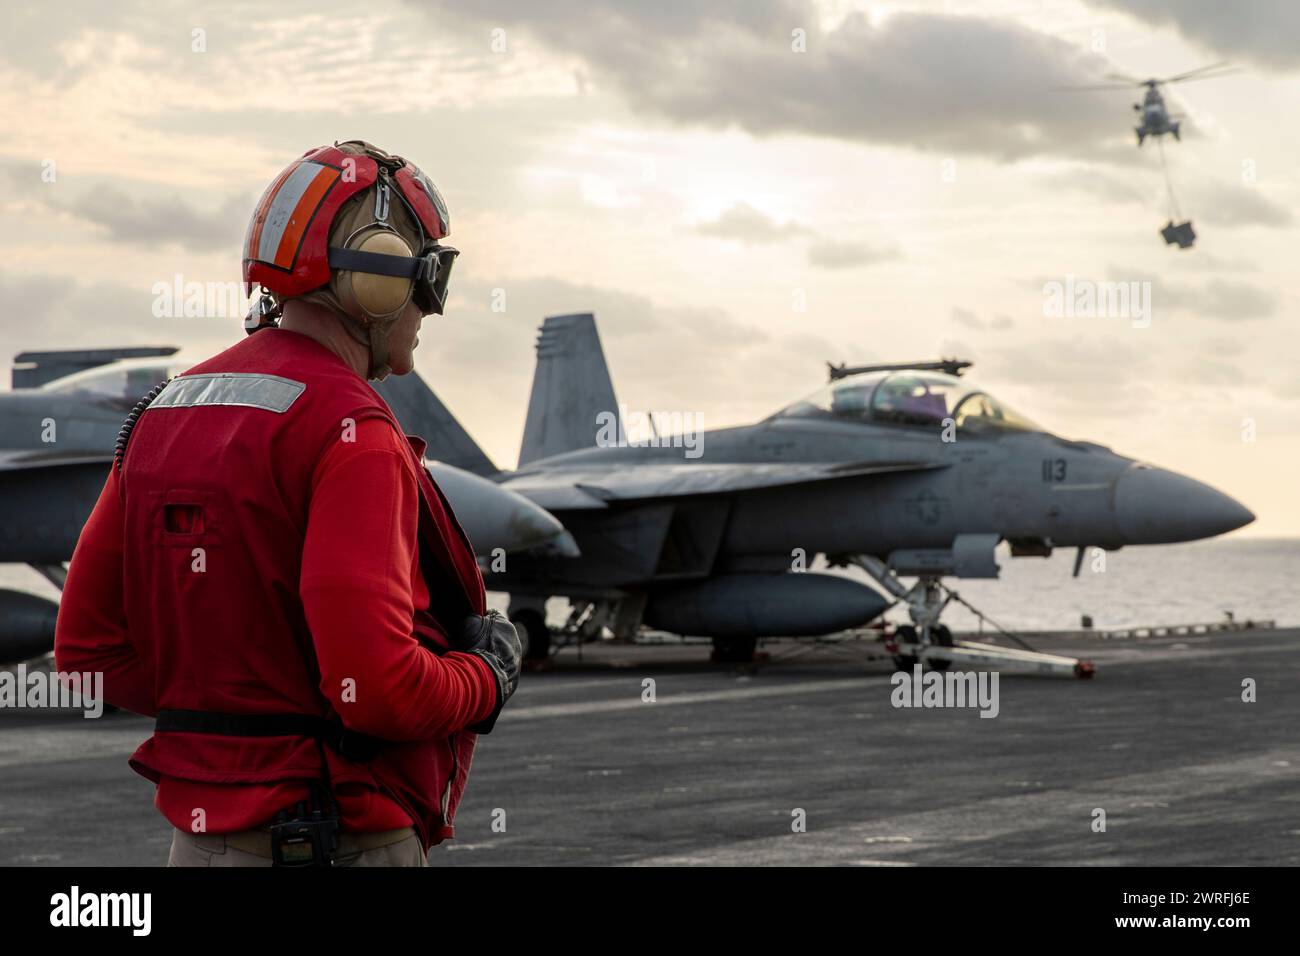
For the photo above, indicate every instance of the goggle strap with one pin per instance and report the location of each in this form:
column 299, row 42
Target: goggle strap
column 376, row 263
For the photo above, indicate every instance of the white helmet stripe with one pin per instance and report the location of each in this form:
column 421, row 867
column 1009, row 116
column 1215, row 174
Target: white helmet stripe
column 282, row 208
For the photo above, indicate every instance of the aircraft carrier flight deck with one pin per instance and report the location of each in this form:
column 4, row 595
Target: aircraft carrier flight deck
column 799, row 759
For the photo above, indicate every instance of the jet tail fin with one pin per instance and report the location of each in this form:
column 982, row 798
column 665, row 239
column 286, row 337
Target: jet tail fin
column 571, row 387
column 422, row 413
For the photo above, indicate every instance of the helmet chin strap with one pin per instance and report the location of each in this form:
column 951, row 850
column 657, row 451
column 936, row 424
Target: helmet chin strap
column 379, row 367
column 375, row 338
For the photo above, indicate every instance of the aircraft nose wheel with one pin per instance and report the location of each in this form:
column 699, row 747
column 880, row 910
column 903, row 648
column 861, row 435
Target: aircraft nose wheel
column 906, row 635
column 925, row 601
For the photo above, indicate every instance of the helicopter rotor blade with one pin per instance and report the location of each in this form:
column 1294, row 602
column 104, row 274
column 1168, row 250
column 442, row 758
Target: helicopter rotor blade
column 1206, row 76
column 1179, row 77
column 1097, row 86
column 1122, row 81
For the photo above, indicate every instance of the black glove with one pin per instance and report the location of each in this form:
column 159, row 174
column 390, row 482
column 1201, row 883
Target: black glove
column 494, row 639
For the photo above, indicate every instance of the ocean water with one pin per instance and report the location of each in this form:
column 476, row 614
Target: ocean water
column 1255, row 578
column 1195, row 583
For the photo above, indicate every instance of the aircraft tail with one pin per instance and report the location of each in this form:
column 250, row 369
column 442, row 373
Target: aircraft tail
column 420, row 412
column 571, row 387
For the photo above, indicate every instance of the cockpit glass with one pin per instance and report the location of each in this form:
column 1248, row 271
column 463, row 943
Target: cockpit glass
column 916, row 399
column 119, row 385
column 909, row 399
column 980, row 411
column 848, row 399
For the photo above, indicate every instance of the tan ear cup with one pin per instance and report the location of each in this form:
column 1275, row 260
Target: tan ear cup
column 369, row 297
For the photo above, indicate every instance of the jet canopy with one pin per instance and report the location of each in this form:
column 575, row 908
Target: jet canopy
column 918, row 399
column 117, row 385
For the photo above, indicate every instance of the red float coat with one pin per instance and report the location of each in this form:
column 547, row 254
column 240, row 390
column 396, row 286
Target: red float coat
column 260, row 559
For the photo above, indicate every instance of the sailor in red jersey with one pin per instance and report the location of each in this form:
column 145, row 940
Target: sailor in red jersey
column 270, row 572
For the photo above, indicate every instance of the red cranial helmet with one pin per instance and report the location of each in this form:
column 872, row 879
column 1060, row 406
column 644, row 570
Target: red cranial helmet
column 357, row 229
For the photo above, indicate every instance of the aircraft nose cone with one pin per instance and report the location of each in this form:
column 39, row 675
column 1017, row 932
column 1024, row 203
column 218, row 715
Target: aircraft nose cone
column 1155, row 506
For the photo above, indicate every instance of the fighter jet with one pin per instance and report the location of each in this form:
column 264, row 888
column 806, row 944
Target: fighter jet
column 57, row 432
column 902, row 471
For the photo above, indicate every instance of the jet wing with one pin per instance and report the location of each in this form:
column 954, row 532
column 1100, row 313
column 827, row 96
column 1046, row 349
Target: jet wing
column 45, row 487
column 590, row 488
column 17, row 459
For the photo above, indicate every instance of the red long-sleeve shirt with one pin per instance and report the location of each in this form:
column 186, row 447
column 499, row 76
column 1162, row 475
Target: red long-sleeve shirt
column 360, row 587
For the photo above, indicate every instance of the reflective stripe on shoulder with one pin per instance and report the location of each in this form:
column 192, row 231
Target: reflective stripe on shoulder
column 269, row 392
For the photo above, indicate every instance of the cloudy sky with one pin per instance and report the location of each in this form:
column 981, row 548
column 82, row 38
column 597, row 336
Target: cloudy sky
column 739, row 190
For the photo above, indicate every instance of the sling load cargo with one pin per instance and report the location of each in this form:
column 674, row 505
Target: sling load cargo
column 1156, row 121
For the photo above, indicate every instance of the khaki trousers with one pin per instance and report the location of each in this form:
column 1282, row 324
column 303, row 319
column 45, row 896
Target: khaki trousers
column 253, row 848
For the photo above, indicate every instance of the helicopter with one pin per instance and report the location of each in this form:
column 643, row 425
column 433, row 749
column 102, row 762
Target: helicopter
column 1155, row 118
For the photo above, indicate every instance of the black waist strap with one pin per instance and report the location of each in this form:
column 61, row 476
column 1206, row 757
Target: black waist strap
column 349, row 744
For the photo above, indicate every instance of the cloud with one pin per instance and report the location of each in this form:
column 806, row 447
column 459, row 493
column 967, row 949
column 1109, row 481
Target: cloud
column 972, row 321
column 743, row 222
column 59, row 313
column 1224, row 346
column 38, row 43
column 622, row 315
column 164, row 220
column 1101, row 374
column 1218, row 299
column 839, row 254
column 661, row 354
column 940, row 83
column 1099, row 183
column 1082, row 360
column 1263, row 31
column 1243, row 205
column 57, row 309
column 1223, row 299
column 1214, row 371
column 1215, row 203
